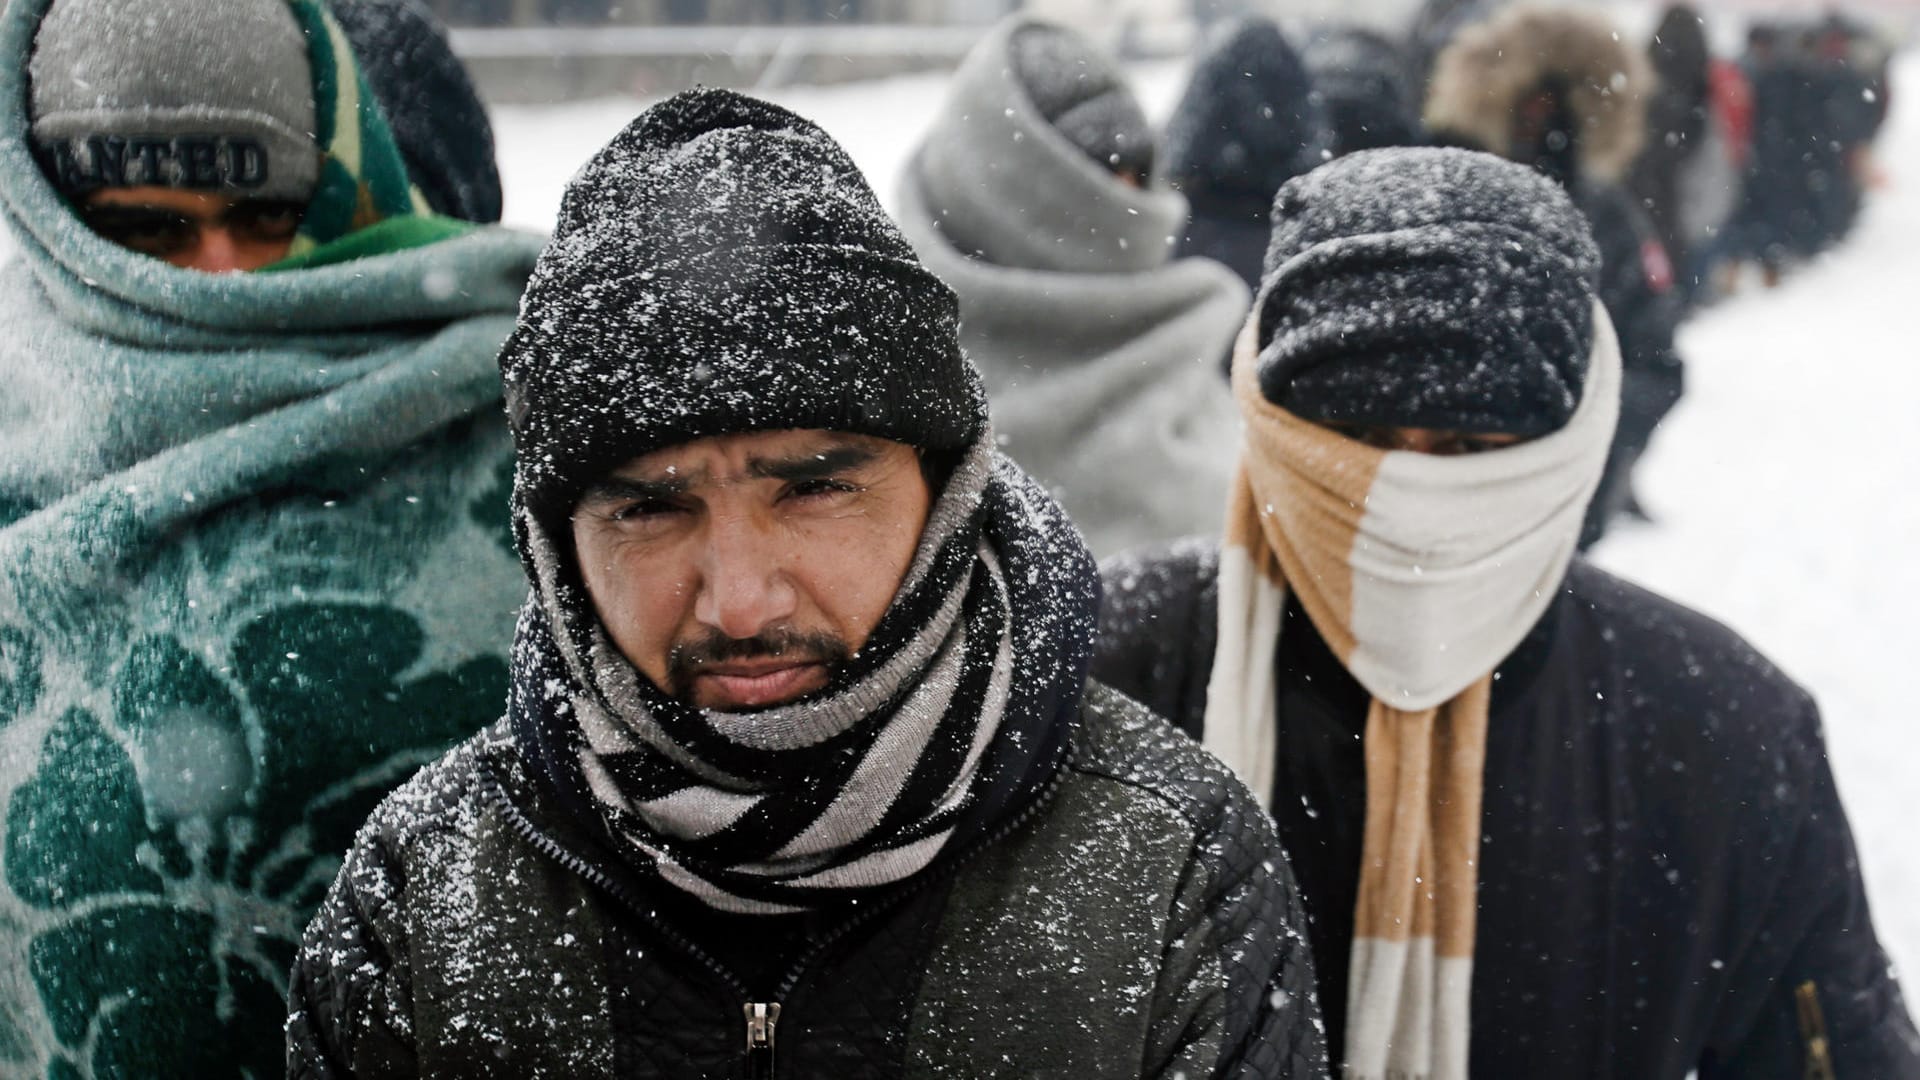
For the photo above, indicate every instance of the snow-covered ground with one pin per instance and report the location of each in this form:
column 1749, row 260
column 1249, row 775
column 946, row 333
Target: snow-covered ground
column 1786, row 487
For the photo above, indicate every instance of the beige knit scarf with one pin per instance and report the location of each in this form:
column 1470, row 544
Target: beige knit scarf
column 1422, row 573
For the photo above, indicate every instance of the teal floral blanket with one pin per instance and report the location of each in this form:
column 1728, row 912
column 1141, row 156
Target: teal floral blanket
column 255, row 569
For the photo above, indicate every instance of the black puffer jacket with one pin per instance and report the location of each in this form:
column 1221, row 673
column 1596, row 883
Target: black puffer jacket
column 1137, row 921
column 1664, row 859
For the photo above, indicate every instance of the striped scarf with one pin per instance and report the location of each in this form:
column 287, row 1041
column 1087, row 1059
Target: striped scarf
column 363, row 177
column 1422, row 573
column 859, row 786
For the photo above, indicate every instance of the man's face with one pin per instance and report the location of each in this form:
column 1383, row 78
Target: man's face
column 1425, row 440
column 194, row 230
column 737, row 572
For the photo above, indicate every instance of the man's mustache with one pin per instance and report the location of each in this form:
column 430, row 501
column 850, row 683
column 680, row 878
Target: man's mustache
column 687, row 658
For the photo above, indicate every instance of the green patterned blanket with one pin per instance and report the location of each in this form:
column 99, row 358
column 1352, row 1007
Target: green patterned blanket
column 254, row 570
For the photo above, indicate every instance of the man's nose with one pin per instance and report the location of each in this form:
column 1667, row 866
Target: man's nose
column 217, row 252
column 744, row 586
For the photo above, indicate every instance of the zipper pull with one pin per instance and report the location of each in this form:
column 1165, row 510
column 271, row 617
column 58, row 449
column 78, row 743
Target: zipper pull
column 762, row 1018
column 1813, row 1028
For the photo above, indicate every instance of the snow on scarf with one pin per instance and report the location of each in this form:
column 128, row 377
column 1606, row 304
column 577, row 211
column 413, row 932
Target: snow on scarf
column 951, row 716
column 1100, row 357
column 254, row 570
column 1421, row 573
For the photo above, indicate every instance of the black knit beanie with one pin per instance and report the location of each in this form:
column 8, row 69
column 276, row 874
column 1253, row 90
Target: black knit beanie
column 1427, row 288
column 1082, row 94
column 722, row 267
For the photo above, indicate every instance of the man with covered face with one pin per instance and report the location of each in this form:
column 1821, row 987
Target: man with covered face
column 1544, row 823
column 255, row 566
column 801, row 767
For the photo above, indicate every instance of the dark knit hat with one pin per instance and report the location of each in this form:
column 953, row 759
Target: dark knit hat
column 1248, row 121
column 1427, row 288
column 722, row 267
column 1082, row 95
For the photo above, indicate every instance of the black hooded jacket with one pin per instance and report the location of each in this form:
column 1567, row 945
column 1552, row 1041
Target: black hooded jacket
column 1247, row 123
column 1665, row 861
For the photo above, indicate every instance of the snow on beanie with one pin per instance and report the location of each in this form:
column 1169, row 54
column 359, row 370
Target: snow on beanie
column 722, row 266
column 1430, row 288
column 212, row 95
column 1083, row 97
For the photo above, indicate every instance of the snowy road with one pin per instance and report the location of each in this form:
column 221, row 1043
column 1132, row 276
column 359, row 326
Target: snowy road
column 1784, row 486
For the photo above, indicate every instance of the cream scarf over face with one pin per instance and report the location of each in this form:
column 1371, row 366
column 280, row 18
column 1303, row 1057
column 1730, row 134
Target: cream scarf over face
column 1422, row 573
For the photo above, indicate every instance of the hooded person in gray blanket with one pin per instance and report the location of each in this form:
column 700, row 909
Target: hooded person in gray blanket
column 1033, row 197
column 255, row 562
column 1546, row 824
column 801, row 770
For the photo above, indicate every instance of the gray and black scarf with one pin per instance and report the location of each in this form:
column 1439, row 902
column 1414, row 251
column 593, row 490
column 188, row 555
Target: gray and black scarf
column 949, row 719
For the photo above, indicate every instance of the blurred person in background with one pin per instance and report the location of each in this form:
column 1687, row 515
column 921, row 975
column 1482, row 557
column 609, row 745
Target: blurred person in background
column 1545, row 824
column 255, row 566
column 1559, row 91
column 1035, row 195
column 1816, row 111
column 1247, row 122
column 801, row 773
column 1360, row 78
column 1679, row 122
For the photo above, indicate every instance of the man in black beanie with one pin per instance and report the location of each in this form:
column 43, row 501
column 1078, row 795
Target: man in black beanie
column 1558, row 826
column 800, row 756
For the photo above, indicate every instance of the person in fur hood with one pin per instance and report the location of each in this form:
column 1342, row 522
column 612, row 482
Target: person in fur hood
column 1546, row 824
column 1560, row 90
column 1035, row 196
column 801, row 773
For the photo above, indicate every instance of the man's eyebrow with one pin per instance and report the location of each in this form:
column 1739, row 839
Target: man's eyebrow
column 816, row 466
column 619, row 488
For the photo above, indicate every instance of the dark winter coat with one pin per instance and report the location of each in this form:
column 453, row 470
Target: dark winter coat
column 429, row 101
column 1664, row 857
column 1677, row 122
column 1637, row 289
column 1246, row 124
column 1131, row 922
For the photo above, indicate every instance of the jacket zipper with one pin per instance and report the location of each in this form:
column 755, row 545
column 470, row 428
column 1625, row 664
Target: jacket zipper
column 762, row 1017
column 1813, row 1028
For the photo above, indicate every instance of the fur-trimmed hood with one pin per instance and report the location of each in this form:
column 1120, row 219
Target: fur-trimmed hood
column 1481, row 79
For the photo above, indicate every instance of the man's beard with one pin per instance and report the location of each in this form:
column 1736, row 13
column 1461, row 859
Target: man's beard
column 688, row 659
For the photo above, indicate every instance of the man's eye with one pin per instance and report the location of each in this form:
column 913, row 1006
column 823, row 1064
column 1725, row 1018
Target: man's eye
column 814, row 489
column 643, row 510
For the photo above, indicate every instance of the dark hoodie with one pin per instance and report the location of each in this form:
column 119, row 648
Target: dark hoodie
column 1247, row 123
column 1361, row 81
